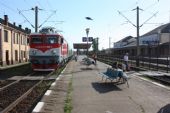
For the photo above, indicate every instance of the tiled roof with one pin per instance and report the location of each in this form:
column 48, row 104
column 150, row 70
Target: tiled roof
column 16, row 27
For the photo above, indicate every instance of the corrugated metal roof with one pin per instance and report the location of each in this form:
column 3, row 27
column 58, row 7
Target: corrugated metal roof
column 162, row 29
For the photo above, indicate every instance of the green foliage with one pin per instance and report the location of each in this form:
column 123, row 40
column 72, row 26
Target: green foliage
column 68, row 105
column 95, row 44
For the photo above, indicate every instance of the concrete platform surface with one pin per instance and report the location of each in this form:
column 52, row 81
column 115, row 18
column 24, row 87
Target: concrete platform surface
column 92, row 95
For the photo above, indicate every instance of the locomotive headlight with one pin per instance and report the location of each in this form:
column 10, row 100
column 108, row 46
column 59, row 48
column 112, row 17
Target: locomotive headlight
column 54, row 52
column 33, row 52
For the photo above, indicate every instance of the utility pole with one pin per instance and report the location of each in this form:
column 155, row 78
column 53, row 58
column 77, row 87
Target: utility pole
column 87, row 33
column 137, row 28
column 36, row 17
column 137, row 36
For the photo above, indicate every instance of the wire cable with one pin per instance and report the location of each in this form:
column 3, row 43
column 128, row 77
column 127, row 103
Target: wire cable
column 48, row 18
column 25, row 18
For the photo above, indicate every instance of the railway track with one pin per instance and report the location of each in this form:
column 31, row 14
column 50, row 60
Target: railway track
column 13, row 92
column 6, row 83
column 28, row 101
column 16, row 94
column 20, row 94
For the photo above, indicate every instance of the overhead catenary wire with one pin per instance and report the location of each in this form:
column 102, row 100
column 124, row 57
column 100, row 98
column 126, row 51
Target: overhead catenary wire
column 126, row 18
column 148, row 19
column 137, row 3
column 56, row 22
column 25, row 18
column 47, row 18
column 143, row 22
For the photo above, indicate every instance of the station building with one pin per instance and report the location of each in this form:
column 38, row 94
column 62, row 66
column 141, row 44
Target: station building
column 154, row 43
column 14, row 45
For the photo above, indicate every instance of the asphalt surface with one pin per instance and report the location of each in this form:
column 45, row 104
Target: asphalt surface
column 92, row 95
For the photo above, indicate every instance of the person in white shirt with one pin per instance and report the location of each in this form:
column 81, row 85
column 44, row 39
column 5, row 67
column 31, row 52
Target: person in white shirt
column 126, row 58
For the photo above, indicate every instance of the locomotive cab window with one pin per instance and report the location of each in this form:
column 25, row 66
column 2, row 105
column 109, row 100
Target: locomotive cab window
column 52, row 40
column 36, row 40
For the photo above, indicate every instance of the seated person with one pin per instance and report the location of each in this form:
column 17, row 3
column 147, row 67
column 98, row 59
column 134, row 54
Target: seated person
column 122, row 73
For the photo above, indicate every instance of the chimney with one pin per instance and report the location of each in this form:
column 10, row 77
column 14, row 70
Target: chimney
column 14, row 24
column 29, row 30
column 6, row 19
column 20, row 26
column 26, row 29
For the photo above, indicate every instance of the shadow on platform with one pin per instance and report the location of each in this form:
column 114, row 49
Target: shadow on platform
column 105, row 87
column 87, row 68
column 78, row 71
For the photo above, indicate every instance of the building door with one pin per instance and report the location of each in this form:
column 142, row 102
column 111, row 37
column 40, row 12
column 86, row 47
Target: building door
column 7, row 57
column 16, row 55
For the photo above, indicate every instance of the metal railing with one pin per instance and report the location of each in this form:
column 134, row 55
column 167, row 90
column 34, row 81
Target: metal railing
column 149, row 63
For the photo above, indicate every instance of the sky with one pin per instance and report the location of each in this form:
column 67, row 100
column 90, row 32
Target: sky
column 68, row 16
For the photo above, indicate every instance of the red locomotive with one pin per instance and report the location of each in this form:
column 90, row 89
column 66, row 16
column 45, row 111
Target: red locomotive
column 48, row 50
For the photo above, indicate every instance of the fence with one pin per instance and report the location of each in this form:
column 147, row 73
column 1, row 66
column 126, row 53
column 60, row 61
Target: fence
column 149, row 63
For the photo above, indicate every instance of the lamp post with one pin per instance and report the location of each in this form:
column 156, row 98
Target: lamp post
column 87, row 33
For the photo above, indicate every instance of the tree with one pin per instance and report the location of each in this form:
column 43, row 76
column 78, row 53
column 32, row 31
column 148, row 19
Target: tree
column 95, row 44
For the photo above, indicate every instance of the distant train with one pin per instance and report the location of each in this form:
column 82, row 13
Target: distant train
column 48, row 50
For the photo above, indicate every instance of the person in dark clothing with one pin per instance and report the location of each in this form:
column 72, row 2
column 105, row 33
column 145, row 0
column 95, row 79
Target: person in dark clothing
column 95, row 58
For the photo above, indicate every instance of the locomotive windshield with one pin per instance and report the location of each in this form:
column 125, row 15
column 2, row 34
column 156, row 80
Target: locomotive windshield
column 36, row 40
column 52, row 40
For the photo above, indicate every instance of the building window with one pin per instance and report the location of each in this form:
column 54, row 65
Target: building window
column 24, row 54
column 17, row 39
column 27, row 41
column 21, row 41
column 5, row 36
column 16, row 55
column 24, row 41
column 14, row 38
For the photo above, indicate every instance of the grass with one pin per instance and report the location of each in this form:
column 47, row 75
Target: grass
column 68, row 105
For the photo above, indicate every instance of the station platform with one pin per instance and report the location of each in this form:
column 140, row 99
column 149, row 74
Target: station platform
column 14, row 65
column 90, row 94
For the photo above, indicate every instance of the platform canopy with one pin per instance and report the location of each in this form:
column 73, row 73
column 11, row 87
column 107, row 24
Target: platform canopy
column 81, row 45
